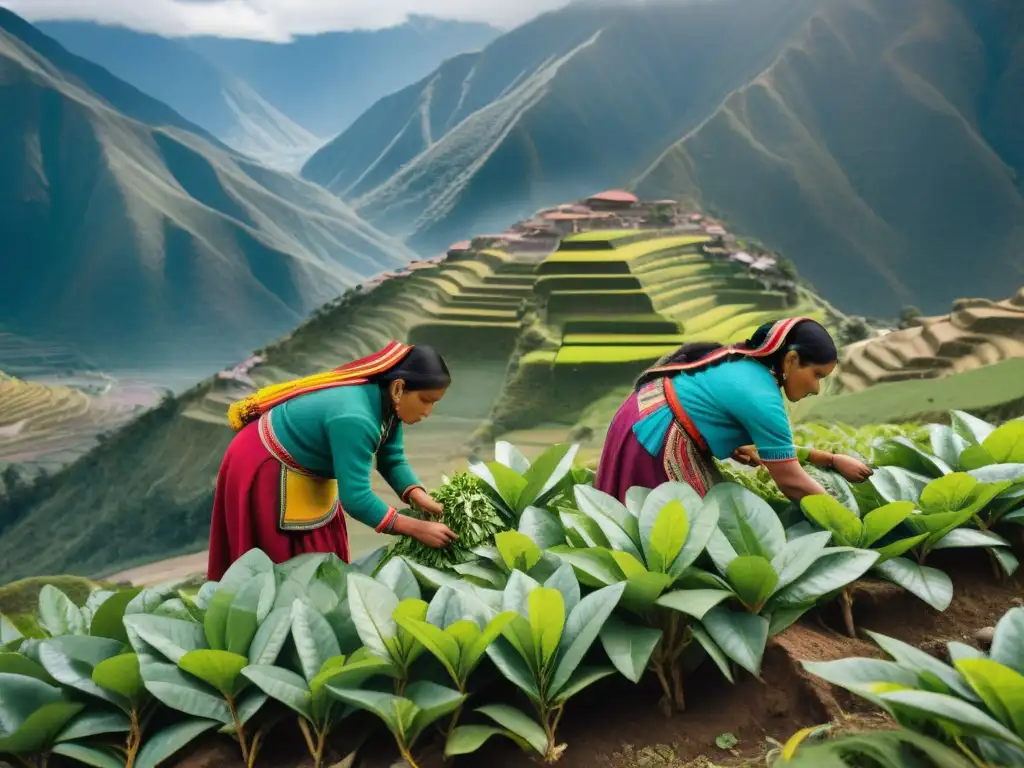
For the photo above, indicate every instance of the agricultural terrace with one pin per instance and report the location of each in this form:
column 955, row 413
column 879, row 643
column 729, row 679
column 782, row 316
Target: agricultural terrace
column 617, row 301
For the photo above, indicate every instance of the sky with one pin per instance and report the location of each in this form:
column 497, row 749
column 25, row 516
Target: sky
column 274, row 20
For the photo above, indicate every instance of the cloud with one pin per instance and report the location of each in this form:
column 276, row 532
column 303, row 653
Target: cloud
column 274, row 20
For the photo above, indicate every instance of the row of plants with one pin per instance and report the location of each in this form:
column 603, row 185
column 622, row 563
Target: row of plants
column 556, row 585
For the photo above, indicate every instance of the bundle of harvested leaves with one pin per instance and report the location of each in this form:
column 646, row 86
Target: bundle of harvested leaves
column 468, row 511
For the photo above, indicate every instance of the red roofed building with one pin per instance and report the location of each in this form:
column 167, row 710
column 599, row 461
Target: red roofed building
column 612, row 200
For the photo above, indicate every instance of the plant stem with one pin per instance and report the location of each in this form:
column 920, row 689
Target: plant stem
column 239, row 729
column 254, row 748
column 304, row 727
column 678, row 698
column 321, row 741
column 134, row 739
column 407, row 756
column 846, row 601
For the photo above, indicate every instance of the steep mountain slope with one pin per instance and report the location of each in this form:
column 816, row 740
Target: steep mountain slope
column 827, row 126
column 866, row 145
column 135, row 238
column 323, row 82
column 202, row 92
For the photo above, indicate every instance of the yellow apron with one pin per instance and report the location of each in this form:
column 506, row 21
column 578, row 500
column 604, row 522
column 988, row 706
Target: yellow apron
column 307, row 502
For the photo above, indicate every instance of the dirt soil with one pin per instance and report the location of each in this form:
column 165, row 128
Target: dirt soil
column 616, row 724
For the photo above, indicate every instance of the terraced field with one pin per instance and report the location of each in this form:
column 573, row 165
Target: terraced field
column 47, row 426
column 978, row 332
column 619, row 300
column 152, row 482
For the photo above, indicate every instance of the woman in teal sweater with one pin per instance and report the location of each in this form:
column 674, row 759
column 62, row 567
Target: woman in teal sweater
column 304, row 453
column 707, row 401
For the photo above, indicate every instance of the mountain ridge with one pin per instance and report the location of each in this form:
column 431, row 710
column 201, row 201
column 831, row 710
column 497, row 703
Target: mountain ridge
column 161, row 244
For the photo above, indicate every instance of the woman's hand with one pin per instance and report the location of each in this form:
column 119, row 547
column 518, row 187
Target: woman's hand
column 434, row 535
column 747, row 454
column 421, row 500
column 853, row 470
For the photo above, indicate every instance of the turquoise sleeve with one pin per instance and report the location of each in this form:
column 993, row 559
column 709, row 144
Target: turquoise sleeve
column 353, row 438
column 393, row 467
column 755, row 402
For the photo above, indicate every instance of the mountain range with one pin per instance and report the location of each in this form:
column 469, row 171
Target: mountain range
column 276, row 102
column 140, row 236
column 879, row 145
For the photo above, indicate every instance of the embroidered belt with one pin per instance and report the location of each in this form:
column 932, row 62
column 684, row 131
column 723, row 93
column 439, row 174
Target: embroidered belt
column 680, row 415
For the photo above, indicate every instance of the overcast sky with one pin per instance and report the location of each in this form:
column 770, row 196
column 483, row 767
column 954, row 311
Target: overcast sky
column 274, row 19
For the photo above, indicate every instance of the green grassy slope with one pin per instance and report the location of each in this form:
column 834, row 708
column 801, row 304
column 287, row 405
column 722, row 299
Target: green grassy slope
column 157, row 243
column 825, row 126
column 849, row 136
column 151, row 483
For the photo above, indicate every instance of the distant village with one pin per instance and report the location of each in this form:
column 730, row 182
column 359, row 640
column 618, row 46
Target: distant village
column 542, row 233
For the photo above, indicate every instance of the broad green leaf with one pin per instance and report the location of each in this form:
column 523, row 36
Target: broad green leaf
column 581, row 630
column 508, row 483
column 315, row 641
column 516, row 593
column 965, row 538
column 622, row 531
column 693, row 602
column 643, row 589
column 581, row 531
column 582, row 678
column 171, row 637
column 108, row 620
column 564, row 580
column 97, row 722
column 58, row 615
column 946, row 444
column 1008, row 640
column 629, row 647
column 712, row 650
column 96, row 757
column 748, row 522
column 924, row 664
column 667, row 537
column 396, row 712
column 897, row 484
column 975, row 457
column 1000, row 688
column 438, row 642
column 902, row 452
column 474, row 650
column 899, row 547
column 220, row 669
column 971, row 428
column 513, row 664
column 184, row 693
column 799, row 555
column 845, row 527
column 959, row 651
column 960, row 713
column 168, row 742
column 1006, row 443
column 518, row 723
column 542, row 527
column 399, row 578
column 546, row 472
column 507, row 454
column 929, row 584
column 594, row 567
column 404, row 647
column 720, row 550
column 753, row 579
column 946, row 494
column 860, row 675
column 70, row 661
column 282, row 685
column 121, row 675
column 878, row 522
column 271, row 636
column 466, row 739
column 518, row 551
column 547, row 621
column 635, row 498
column 37, row 731
column 433, row 702
column 650, row 512
column 837, row 567
column 372, row 606
column 742, row 636
column 243, row 613
column 17, row 664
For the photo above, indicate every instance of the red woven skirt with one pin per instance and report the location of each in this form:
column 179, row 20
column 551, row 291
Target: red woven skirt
column 246, row 510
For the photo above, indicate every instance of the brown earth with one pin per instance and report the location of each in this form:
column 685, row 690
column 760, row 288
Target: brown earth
column 616, row 724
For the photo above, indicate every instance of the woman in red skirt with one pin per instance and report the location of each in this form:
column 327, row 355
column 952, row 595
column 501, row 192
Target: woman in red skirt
column 304, row 453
